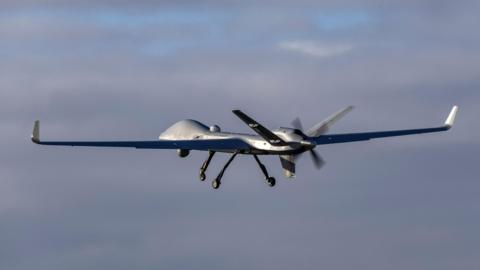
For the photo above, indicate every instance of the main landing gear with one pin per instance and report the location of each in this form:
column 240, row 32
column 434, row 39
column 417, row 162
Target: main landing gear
column 216, row 183
column 204, row 167
column 218, row 180
column 270, row 180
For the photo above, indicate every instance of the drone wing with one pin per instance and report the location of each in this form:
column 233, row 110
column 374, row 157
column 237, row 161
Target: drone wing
column 217, row 144
column 364, row 136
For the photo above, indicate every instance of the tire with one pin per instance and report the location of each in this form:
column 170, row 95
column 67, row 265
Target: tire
column 271, row 181
column 215, row 184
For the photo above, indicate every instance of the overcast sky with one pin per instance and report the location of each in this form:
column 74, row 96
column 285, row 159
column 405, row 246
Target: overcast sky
column 129, row 69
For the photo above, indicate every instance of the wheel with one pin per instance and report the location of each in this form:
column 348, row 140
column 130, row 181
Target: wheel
column 216, row 184
column 271, row 181
column 202, row 176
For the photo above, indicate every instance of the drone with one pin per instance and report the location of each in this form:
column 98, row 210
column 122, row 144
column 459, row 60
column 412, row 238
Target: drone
column 289, row 143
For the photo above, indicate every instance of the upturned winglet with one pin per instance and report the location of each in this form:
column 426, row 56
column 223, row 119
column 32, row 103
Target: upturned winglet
column 451, row 117
column 36, row 132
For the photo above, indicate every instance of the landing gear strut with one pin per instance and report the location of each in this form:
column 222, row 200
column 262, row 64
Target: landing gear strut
column 204, row 167
column 270, row 180
column 218, row 180
column 216, row 183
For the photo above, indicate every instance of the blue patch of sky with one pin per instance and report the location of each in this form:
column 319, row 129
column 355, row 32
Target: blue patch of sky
column 173, row 16
column 344, row 19
column 212, row 24
column 122, row 17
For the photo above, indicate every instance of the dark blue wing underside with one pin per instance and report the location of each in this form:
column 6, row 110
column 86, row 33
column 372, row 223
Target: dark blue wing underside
column 364, row 136
column 223, row 144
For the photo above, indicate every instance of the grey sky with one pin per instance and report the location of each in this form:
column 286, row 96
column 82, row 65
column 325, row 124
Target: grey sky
column 129, row 69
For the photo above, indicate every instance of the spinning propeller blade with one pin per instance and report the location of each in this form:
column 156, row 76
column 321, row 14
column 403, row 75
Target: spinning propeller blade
column 317, row 160
column 296, row 123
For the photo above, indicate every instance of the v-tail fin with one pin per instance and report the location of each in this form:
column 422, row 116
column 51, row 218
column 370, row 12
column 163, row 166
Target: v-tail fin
column 288, row 165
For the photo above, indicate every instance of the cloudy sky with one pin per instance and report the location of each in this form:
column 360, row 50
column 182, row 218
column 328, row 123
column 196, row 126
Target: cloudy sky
column 129, row 69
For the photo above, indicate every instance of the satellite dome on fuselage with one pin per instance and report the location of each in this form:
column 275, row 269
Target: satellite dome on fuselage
column 184, row 130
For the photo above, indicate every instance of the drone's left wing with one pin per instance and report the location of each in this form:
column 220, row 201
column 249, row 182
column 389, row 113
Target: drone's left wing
column 364, row 136
column 217, row 144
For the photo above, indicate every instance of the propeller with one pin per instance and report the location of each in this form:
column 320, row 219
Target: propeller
column 296, row 123
column 317, row 160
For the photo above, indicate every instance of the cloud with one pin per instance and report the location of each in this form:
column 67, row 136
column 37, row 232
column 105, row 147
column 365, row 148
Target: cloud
column 317, row 49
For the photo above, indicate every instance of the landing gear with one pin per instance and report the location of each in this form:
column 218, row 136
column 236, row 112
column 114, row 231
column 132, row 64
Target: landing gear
column 270, row 180
column 218, row 180
column 216, row 183
column 204, row 167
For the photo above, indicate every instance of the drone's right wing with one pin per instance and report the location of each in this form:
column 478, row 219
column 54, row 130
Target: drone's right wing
column 217, row 144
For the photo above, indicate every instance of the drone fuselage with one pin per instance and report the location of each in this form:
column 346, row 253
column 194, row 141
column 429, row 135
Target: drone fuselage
column 194, row 130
